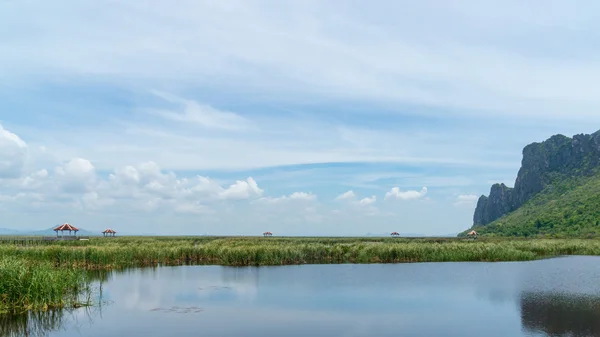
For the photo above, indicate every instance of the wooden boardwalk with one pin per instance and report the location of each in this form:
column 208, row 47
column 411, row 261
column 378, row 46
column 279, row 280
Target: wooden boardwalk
column 37, row 240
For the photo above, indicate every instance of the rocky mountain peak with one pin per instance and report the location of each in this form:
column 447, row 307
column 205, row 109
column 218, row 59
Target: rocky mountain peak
column 541, row 164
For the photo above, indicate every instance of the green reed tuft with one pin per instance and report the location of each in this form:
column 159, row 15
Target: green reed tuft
column 38, row 285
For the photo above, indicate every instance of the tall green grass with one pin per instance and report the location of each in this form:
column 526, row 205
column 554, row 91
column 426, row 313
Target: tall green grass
column 38, row 285
column 100, row 253
column 58, row 274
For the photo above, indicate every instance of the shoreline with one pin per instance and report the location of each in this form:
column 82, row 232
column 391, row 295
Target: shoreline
column 27, row 269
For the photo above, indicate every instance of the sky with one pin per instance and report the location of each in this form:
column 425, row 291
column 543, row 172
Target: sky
column 296, row 117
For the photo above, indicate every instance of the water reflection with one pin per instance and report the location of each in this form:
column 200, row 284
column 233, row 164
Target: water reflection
column 42, row 323
column 30, row 324
column 550, row 298
column 560, row 315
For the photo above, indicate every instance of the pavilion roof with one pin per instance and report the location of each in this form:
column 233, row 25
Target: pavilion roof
column 472, row 233
column 109, row 230
column 66, row 227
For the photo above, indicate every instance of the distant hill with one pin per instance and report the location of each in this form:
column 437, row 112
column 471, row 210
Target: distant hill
column 411, row 235
column 50, row 232
column 557, row 192
column 388, row 234
column 44, row 232
column 6, row 231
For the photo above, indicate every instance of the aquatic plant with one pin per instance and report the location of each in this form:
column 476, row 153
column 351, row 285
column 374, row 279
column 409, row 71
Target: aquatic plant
column 38, row 285
column 57, row 275
column 101, row 253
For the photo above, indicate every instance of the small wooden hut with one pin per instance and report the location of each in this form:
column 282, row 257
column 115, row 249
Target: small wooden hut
column 472, row 234
column 394, row 234
column 267, row 234
column 109, row 232
column 66, row 227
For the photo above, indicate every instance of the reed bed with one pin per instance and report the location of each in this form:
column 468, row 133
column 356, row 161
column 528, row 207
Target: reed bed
column 105, row 253
column 38, row 285
column 59, row 275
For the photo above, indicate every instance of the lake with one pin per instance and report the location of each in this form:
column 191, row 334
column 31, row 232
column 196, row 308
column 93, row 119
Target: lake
column 554, row 297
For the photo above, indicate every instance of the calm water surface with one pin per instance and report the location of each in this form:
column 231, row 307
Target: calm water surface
column 556, row 297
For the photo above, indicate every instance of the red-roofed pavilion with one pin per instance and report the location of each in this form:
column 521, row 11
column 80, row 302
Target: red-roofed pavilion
column 66, row 227
column 109, row 232
column 395, row 234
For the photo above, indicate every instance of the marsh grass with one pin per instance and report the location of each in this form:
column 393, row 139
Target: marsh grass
column 100, row 253
column 58, row 275
column 38, row 285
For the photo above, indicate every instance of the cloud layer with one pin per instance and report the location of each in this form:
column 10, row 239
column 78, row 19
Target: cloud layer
column 231, row 117
column 13, row 153
column 471, row 58
column 75, row 186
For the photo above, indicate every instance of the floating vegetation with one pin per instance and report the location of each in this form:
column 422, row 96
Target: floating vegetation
column 215, row 288
column 179, row 310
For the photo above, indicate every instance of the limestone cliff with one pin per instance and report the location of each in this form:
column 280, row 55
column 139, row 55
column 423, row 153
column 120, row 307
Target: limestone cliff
column 556, row 158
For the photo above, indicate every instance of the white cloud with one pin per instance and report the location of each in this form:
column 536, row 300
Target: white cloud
column 33, row 180
column 193, row 208
column 76, row 176
column 94, row 201
column 346, row 196
column 350, row 196
column 296, row 196
column 201, row 114
column 145, row 187
column 405, row 195
column 187, row 195
column 368, row 201
column 242, row 190
column 466, row 200
column 13, row 154
column 363, row 206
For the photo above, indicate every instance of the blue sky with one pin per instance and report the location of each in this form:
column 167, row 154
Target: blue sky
column 239, row 117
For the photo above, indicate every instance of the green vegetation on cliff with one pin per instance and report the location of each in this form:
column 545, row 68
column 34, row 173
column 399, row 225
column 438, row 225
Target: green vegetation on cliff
column 556, row 193
column 569, row 206
column 554, row 160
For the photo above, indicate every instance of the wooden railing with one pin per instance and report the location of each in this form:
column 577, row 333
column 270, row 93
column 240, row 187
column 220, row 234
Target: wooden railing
column 59, row 238
column 32, row 240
